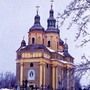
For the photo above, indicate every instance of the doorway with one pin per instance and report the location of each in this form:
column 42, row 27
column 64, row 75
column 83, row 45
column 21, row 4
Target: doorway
column 31, row 87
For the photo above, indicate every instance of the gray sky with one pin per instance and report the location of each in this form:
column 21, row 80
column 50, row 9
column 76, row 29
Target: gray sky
column 17, row 16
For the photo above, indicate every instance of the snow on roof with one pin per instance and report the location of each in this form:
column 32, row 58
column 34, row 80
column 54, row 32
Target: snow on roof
column 23, row 47
column 64, row 62
column 61, row 53
column 51, row 50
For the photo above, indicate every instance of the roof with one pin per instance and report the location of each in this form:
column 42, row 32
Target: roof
column 51, row 50
column 42, row 48
column 66, row 54
column 33, row 48
column 36, row 27
column 52, row 29
column 64, row 62
column 61, row 42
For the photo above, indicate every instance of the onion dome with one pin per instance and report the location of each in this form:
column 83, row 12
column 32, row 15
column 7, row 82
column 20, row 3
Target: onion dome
column 66, row 50
column 66, row 46
column 37, row 25
column 51, row 22
column 61, row 42
column 23, row 43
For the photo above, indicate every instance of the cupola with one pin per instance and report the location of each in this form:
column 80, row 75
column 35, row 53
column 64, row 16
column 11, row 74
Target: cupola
column 51, row 22
column 23, row 43
column 37, row 24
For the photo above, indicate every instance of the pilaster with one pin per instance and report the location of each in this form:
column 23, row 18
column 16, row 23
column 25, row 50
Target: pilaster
column 68, row 79
column 21, row 73
column 42, row 74
column 54, row 77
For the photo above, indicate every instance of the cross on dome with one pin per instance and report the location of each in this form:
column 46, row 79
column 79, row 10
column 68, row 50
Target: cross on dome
column 65, row 40
column 37, row 9
column 52, row 3
column 23, row 37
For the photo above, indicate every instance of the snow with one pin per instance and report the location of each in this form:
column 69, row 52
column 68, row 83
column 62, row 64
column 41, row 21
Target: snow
column 61, row 53
column 64, row 62
column 51, row 50
column 6, row 89
column 23, row 47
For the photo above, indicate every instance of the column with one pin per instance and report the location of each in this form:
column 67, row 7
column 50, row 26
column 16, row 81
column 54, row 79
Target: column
column 41, row 79
column 62, row 77
column 56, row 77
column 53, row 77
column 42, row 74
column 68, row 79
column 72, row 79
column 21, row 73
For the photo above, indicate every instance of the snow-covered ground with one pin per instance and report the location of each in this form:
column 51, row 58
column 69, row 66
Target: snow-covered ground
column 6, row 89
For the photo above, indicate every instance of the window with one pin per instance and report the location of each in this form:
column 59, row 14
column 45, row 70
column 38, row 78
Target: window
column 31, row 64
column 47, row 65
column 39, row 39
column 48, row 43
column 33, row 40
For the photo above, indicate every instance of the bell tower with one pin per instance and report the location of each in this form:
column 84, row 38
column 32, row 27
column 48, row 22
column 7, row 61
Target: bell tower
column 51, row 21
column 52, row 32
column 35, row 34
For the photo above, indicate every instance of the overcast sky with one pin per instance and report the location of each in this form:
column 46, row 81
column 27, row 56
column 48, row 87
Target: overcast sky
column 17, row 16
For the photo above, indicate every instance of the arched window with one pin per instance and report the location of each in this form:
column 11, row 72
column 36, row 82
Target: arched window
column 47, row 65
column 31, row 64
column 48, row 43
column 33, row 40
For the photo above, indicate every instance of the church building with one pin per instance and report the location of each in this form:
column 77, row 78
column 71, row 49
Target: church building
column 44, row 62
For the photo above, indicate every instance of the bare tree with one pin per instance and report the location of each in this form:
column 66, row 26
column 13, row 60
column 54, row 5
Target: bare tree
column 7, row 80
column 78, row 10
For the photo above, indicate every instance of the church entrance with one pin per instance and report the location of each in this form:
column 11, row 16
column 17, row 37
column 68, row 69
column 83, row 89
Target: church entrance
column 31, row 87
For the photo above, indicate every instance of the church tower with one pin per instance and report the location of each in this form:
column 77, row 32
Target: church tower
column 52, row 32
column 36, row 32
column 44, row 63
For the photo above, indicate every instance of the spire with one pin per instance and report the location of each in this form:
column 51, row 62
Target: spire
column 37, row 9
column 51, row 11
column 51, row 21
column 37, row 25
column 37, row 17
column 52, row 3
